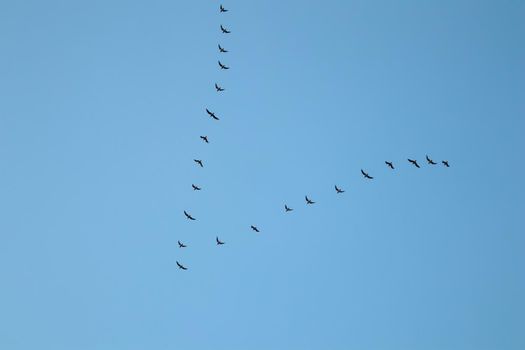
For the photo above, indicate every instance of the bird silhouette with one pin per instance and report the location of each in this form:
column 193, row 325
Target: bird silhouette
column 366, row 175
column 198, row 161
column 188, row 216
column 181, row 266
column 223, row 66
column 218, row 88
column 195, row 188
column 205, row 139
column 181, row 245
column 389, row 164
column 222, row 9
column 445, row 163
column 287, row 209
column 218, row 241
column 308, row 200
column 254, row 228
column 221, row 49
column 430, row 161
column 224, row 30
column 338, row 190
column 211, row 114
column 413, row 161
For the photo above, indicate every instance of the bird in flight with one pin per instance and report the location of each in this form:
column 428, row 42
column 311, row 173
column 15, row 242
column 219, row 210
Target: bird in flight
column 445, row 163
column 390, row 165
column 205, row 139
column 287, row 209
column 254, row 228
column 218, row 88
column 198, row 161
column 308, row 200
column 181, row 245
column 223, row 66
column 181, row 266
column 218, row 241
column 366, row 175
column 224, row 30
column 413, row 161
column 195, row 188
column 338, row 190
column 221, row 49
column 211, row 114
column 223, row 9
column 430, row 161
column 188, row 216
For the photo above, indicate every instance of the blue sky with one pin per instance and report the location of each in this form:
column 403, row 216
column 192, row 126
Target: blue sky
column 102, row 105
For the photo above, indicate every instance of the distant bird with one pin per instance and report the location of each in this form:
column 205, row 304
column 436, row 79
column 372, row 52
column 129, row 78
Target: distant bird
column 195, row 188
column 308, row 200
column 221, row 49
column 218, row 241
column 223, row 9
column 338, row 190
column 366, row 175
column 287, row 209
column 413, row 161
column 205, row 139
column 254, row 228
column 181, row 266
column 181, row 245
column 224, row 30
column 198, row 161
column 445, row 163
column 188, row 216
column 211, row 114
column 218, row 88
column 430, row 161
column 223, row 66
column 389, row 164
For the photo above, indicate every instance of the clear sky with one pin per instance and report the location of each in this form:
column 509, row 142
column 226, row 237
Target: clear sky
column 101, row 107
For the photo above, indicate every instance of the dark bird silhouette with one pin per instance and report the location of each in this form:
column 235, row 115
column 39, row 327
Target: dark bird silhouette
column 224, row 30
column 218, row 241
column 205, row 139
column 287, row 209
column 430, row 161
column 198, row 161
column 389, row 164
column 195, row 188
column 218, row 88
column 223, row 66
column 181, row 245
column 211, row 114
column 254, row 228
column 188, row 216
column 366, row 175
column 308, row 200
column 445, row 163
column 181, row 266
column 413, row 161
column 223, row 9
column 338, row 190
column 221, row 49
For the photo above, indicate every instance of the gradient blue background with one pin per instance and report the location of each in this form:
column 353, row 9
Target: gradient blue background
column 102, row 105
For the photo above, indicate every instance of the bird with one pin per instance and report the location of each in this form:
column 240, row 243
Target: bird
column 181, row 245
column 366, row 175
column 389, row 164
column 195, row 188
column 413, row 161
column 224, row 30
column 223, row 66
column 287, row 209
column 223, row 9
column 218, row 241
column 254, row 228
column 338, row 190
column 430, row 161
column 218, row 88
column 308, row 200
column 181, row 266
column 205, row 139
column 445, row 163
column 221, row 49
column 198, row 161
column 211, row 114
column 188, row 216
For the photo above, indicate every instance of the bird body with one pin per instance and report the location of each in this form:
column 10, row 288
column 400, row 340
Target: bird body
column 205, row 139
column 221, row 49
column 366, row 175
column 223, row 66
column 195, row 187
column 188, row 216
column 211, row 114
column 181, row 266
column 287, row 209
column 308, row 200
column 218, row 241
column 218, row 88
column 254, row 228
column 390, row 165
column 198, row 161
column 338, row 190
column 430, row 161
column 222, row 9
column 413, row 161
column 181, row 245
column 445, row 163
column 224, row 30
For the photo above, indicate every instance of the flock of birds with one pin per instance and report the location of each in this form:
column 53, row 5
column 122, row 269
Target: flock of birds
column 287, row 209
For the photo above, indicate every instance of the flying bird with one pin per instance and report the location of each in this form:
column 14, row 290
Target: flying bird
column 198, row 161
column 218, row 241
column 338, row 190
column 430, row 161
column 254, row 228
column 218, row 88
column 366, row 175
column 181, row 245
column 211, row 114
column 195, row 188
column 224, row 30
column 390, row 165
column 223, row 66
column 287, row 209
column 223, row 9
column 445, row 163
column 205, row 139
column 181, row 266
column 413, row 161
column 188, row 216
column 221, row 49
column 308, row 200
